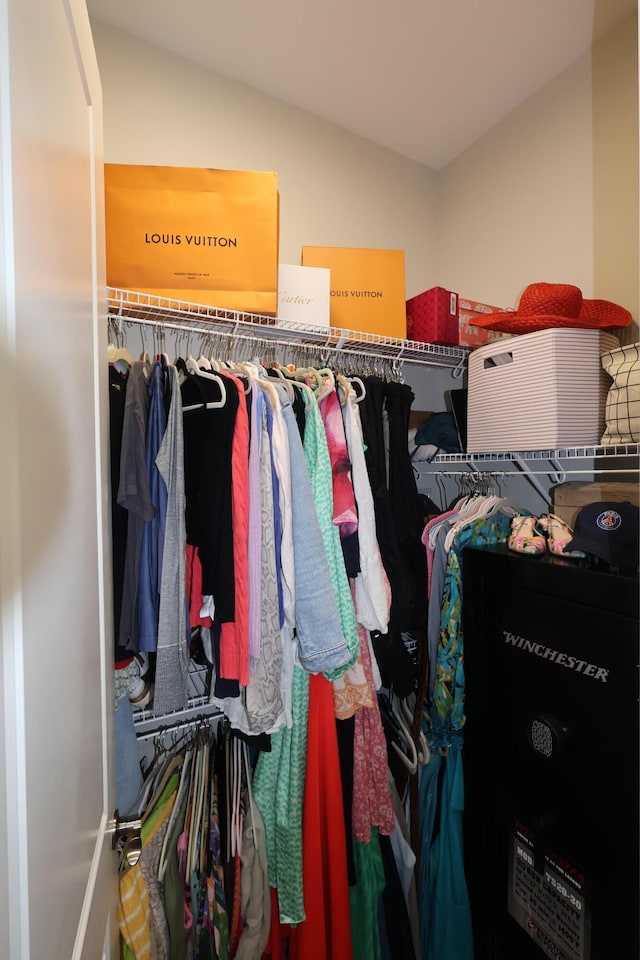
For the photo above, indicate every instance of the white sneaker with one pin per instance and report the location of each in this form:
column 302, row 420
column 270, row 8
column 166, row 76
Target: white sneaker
column 140, row 691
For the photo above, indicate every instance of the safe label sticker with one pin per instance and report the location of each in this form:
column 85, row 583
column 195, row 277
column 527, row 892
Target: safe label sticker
column 551, row 906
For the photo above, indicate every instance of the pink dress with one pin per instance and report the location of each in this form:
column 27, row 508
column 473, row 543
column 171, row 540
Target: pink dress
column 345, row 514
column 234, row 636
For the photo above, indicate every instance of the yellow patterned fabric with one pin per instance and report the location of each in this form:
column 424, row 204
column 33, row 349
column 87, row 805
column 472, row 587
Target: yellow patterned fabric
column 134, row 914
column 134, row 911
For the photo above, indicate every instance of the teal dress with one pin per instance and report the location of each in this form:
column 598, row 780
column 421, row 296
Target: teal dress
column 445, row 928
column 447, row 709
column 449, row 932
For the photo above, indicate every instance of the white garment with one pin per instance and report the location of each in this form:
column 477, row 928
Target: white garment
column 282, row 464
column 372, row 586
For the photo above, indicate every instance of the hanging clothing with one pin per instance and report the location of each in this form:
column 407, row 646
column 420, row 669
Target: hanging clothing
column 134, row 496
column 326, row 932
column 319, row 466
column 282, row 467
column 278, row 784
column 153, row 833
column 321, row 642
column 119, row 516
column 395, row 910
column 276, row 516
column 406, row 508
column 428, row 805
column 264, row 705
column 134, row 913
column 372, row 806
column 447, row 714
column 406, row 862
column 234, row 634
column 262, row 496
column 208, row 445
column 138, row 919
column 255, row 522
column 364, row 898
column 345, row 515
column 153, row 533
column 450, row 935
column 172, row 663
column 255, row 897
column 434, row 608
column 372, row 589
column 397, row 503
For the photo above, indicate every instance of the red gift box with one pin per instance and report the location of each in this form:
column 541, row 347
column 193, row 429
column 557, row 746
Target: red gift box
column 432, row 317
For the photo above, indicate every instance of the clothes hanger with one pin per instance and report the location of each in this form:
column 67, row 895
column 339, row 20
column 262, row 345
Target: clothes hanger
column 424, row 754
column 410, row 760
column 192, row 368
column 477, row 511
column 307, row 391
column 286, row 380
column 363, row 389
column 302, row 374
column 236, row 845
column 196, row 833
column 195, row 809
column 182, row 788
column 119, row 353
column 248, row 776
column 174, row 764
column 270, row 389
column 206, row 811
column 409, row 755
column 343, row 389
column 327, row 374
column 247, row 370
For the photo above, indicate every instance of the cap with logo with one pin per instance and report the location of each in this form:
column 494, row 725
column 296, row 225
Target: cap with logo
column 610, row 531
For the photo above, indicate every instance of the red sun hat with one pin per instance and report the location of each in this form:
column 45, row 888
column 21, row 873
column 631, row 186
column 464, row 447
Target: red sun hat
column 545, row 305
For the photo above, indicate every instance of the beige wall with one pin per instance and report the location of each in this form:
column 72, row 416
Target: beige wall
column 551, row 193
column 615, row 167
column 336, row 189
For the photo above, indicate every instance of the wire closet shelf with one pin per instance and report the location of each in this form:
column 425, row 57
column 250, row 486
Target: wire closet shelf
column 595, row 452
column 131, row 307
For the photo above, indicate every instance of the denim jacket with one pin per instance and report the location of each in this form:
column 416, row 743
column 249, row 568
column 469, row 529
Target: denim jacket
column 321, row 643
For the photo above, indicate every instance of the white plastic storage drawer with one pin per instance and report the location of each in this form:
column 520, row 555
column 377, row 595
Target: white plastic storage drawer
column 538, row 391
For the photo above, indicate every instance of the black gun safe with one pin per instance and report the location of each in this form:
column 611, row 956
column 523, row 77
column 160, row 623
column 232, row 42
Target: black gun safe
column 551, row 756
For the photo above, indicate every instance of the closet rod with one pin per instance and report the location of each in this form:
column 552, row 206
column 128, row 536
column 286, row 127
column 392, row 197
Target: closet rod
column 319, row 350
column 149, row 722
column 199, row 720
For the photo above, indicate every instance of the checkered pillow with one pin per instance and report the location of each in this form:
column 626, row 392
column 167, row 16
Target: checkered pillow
column 622, row 412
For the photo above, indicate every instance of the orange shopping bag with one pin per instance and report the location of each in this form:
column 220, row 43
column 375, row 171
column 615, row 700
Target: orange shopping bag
column 367, row 288
column 206, row 236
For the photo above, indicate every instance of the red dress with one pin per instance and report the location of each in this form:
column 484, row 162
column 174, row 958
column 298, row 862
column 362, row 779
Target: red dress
column 326, row 933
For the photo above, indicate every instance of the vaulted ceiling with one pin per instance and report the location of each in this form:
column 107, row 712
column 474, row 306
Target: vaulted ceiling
column 425, row 78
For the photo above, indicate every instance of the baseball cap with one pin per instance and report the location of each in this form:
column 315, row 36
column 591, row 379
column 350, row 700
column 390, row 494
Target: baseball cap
column 610, row 531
